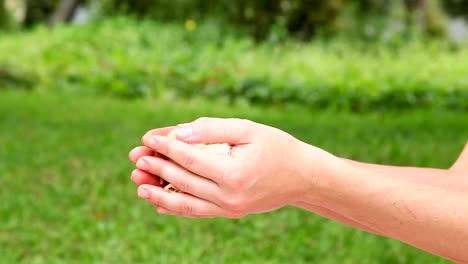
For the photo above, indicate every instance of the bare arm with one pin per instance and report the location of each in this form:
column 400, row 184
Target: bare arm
column 427, row 216
column 455, row 178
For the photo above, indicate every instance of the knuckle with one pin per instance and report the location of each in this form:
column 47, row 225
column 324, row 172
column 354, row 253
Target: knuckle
column 237, row 183
column 235, row 179
column 235, row 204
column 201, row 120
column 183, row 185
column 163, row 147
column 247, row 126
column 156, row 200
column 202, row 127
column 186, row 208
column 187, row 159
column 244, row 122
column 162, row 171
column 228, row 172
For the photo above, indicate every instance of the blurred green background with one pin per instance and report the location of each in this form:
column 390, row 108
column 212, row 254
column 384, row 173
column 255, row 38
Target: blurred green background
column 81, row 81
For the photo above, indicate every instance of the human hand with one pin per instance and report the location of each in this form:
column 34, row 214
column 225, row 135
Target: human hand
column 139, row 176
column 267, row 169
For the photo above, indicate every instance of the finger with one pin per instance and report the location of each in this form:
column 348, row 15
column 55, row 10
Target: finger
column 162, row 210
column 158, row 131
column 216, row 130
column 211, row 165
column 140, row 177
column 139, row 152
column 182, row 179
column 183, row 203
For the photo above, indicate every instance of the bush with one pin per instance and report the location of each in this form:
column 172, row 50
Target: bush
column 301, row 17
column 263, row 19
column 130, row 59
column 4, row 16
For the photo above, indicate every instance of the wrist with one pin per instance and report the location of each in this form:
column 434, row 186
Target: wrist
column 316, row 169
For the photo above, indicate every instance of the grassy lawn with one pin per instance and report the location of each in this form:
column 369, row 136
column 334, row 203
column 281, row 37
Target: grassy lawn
column 66, row 195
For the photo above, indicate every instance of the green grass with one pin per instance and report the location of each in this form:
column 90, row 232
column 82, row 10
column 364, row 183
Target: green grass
column 132, row 58
column 66, row 196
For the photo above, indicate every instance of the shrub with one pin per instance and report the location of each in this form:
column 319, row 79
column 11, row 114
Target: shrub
column 130, row 58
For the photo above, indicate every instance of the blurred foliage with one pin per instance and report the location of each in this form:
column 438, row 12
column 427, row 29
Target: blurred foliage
column 275, row 19
column 38, row 11
column 384, row 20
column 456, row 7
column 434, row 19
column 11, row 78
column 134, row 58
column 4, row 16
column 301, row 18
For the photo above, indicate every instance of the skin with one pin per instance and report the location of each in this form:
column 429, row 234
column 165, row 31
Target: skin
column 269, row 169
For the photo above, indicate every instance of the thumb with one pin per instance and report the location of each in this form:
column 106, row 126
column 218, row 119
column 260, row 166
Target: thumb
column 216, row 130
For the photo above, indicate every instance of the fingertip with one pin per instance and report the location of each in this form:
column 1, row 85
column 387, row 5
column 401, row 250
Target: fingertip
column 184, row 133
column 159, row 144
column 131, row 154
column 147, row 135
column 145, row 138
column 134, row 176
column 209, row 130
column 146, row 186
column 138, row 152
column 158, row 131
column 143, row 164
column 143, row 193
column 140, row 177
column 148, row 191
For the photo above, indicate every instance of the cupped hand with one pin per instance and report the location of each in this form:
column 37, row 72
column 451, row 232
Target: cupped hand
column 266, row 169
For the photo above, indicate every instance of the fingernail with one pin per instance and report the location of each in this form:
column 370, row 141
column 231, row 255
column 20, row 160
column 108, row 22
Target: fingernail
column 184, row 125
column 142, row 164
column 184, row 132
column 153, row 143
column 143, row 193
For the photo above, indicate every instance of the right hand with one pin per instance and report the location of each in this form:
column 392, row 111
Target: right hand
column 266, row 170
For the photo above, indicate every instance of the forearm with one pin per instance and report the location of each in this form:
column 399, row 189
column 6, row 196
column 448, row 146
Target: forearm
column 443, row 178
column 327, row 213
column 451, row 179
column 426, row 216
column 455, row 178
